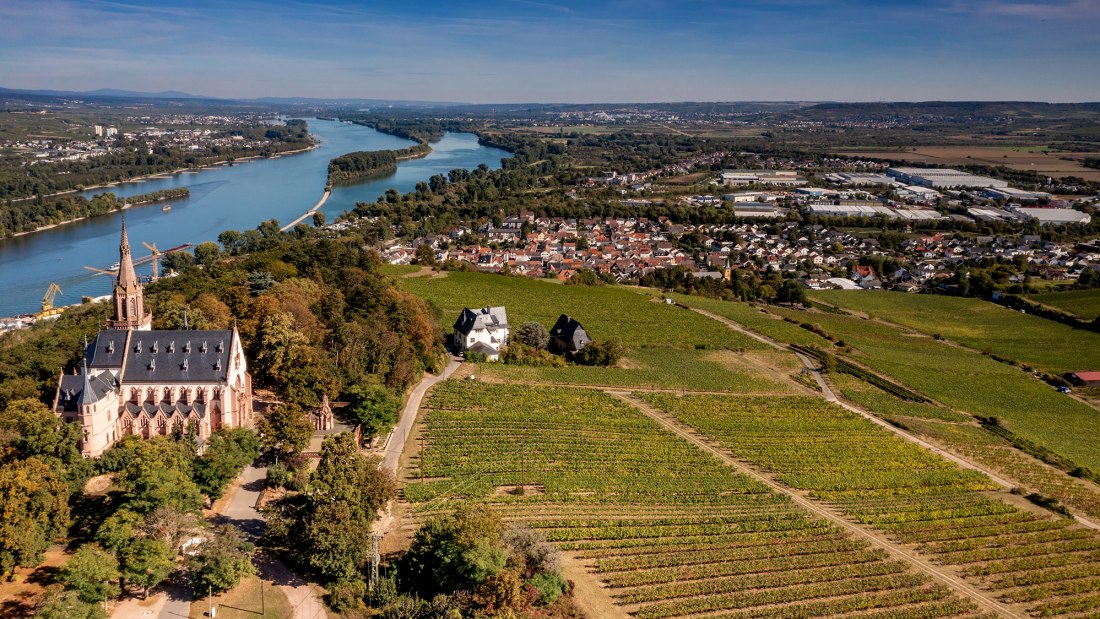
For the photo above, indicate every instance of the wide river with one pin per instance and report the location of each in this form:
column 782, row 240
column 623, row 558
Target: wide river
column 236, row 197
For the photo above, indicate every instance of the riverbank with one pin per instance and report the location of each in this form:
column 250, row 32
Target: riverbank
column 149, row 177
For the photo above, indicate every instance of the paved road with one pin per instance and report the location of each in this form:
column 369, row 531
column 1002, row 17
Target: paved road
column 395, row 443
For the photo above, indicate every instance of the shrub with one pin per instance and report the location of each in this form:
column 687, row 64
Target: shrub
column 602, row 353
column 347, row 596
column 533, row 334
column 550, row 585
column 277, row 475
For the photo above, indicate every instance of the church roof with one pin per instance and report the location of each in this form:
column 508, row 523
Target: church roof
column 77, row 389
column 177, row 356
column 107, row 349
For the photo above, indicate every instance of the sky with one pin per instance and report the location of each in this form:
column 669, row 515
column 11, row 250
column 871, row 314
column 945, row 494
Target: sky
column 508, row 51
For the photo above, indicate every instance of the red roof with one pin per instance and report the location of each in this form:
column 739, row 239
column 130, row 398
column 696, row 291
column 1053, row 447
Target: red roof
column 1087, row 376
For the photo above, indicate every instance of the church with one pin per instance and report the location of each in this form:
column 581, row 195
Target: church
column 136, row 380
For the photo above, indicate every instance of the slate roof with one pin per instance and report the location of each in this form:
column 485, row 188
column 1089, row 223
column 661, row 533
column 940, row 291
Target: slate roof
column 171, row 356
column 567, row 335
column 107, row 349
column 484, row 318
column 75, row 390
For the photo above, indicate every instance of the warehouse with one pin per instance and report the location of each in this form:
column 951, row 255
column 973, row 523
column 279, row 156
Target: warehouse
column 1055, row 216
column 942, row 178
column 1010, row 193
column 858, row 178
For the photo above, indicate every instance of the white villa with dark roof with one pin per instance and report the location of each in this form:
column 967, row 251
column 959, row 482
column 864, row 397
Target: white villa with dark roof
column 134, row 380
column 484, row 331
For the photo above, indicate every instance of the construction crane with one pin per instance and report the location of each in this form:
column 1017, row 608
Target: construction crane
column 47, row 302
column 156, row 259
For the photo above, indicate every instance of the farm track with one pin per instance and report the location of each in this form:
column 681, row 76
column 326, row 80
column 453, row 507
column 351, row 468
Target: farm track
column 820, row 510
column 828, row 394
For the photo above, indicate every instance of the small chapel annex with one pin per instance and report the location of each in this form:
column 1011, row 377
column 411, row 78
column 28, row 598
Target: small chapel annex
column 135, row 380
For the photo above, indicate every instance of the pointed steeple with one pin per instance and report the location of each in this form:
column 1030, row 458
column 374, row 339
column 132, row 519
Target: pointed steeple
column 87, row 393
column 129, row 300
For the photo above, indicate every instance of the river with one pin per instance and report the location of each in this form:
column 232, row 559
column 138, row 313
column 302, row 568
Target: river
column 236, row 197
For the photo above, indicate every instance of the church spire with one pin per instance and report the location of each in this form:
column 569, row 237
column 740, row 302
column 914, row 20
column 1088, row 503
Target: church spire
column 129, row 299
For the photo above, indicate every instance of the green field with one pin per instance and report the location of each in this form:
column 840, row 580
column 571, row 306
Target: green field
column 605, row 311
column 672, row 531
column 1055, row 348
column 1085, row 304
column 892, row 485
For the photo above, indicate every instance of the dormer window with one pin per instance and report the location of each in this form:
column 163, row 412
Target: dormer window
column 137, row 346
column 202, row 348
column 110, row 348
column 154, row 347
column 187, row 347
column 218, row 365
column 172, row 346
column 183, row 366
column 221, row 346
column 152, row 364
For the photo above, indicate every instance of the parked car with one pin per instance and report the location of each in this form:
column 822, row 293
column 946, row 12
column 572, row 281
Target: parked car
column 1063, row 389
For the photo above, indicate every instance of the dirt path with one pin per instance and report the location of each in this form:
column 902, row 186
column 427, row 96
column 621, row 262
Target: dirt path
column 875, row 538
column 588, row 592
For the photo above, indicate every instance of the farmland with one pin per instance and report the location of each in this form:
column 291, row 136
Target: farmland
column 1017, row 158
column 1045, row 563
column 671, row 530
column 1050, row 346
column 1085, row 304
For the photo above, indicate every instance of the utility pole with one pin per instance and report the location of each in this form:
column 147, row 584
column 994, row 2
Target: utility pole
column 422, row 456
column 375, row 557
column 263, row 605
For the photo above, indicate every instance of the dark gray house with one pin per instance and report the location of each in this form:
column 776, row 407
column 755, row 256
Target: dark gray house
column 567, row 336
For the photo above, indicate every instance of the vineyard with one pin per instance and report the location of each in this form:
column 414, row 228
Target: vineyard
column 1053, row 347
column 1085, row 304
column 672, row 531
column 1046, row 563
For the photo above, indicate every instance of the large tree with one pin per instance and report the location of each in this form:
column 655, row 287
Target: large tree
column 221, row 560
column 227, row 452
column 35, row 509
column 285, row 428
column 146, row 563
column 92, row 573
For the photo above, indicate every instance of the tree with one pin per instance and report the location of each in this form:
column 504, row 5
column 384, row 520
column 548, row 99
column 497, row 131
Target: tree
column 791, row 292
column 348, row 490
column 119, row 529
column 456, row 552
column 285, row 428
column 146, row 563
column 373, row 406
column 533, row 334
column 35, row 507
column 33, row 430
column 221, row 560
column 318, row 219
column 91, row 572
column 228, row 451
column 61, row 604
column 207, row 254
column 159, row 474
column 425, row 255
column 601, row 353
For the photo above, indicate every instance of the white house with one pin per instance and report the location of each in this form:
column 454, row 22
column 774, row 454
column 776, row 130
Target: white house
column 482, row 331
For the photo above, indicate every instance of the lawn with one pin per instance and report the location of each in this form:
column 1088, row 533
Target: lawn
column 243, row 602
column 1055, row 348
column 1085, row 304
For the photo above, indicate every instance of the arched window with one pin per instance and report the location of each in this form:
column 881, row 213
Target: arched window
column 133, row 308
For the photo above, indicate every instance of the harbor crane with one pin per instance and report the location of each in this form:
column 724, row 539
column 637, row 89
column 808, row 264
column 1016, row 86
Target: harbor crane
column 47, row 302
column 156, row 259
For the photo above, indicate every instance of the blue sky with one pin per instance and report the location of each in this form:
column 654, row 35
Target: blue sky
column 561, row 51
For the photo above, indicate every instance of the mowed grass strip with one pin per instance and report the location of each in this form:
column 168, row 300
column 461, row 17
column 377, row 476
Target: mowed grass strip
column 645, row 508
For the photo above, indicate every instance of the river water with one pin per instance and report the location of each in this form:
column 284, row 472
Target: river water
column 236, row 197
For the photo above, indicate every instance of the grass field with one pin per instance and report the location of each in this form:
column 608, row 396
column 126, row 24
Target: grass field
column 672, row 531
column 605, row 311
column 1085, row 304
column 1050, row 346
column 892, row 485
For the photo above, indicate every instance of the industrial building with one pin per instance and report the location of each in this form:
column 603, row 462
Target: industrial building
column 942, row 178
column 1055, row 216
column 858, row 178
column 733, row 178
column 758, row 209
column 1010, row 193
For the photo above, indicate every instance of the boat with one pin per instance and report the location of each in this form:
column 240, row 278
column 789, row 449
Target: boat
column 114, row 266
column 166, row 208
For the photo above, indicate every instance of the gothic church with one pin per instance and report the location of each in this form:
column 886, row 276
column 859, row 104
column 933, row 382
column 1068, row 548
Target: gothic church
column 134, row 380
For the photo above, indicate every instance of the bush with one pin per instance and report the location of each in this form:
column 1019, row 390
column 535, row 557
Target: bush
column 277, row 475
column 347, row 596
column 550, row 585
column 601, row 353
column 533, row 334
column 518, row 353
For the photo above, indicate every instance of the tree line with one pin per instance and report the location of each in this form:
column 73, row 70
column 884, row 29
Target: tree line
column 30, row 215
